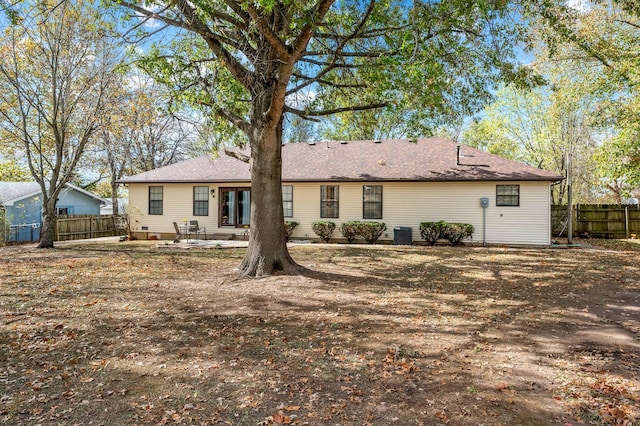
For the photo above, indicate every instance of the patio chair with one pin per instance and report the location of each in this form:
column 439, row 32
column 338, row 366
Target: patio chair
column 194, row 228
column 180, row 232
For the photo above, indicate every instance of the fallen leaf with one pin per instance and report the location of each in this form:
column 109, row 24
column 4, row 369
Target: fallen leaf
column 280, row 418
column 503, row 387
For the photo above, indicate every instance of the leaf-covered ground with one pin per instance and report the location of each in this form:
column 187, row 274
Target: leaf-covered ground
column 124, row 333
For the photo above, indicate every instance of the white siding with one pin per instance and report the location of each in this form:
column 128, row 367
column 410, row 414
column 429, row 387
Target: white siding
column 404, row 204
column 177, row 206
column 409, row 203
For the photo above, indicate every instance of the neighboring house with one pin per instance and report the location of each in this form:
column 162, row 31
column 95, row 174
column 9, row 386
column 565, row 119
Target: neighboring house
column 107, row 208
column 22, row 205
column 398, row 182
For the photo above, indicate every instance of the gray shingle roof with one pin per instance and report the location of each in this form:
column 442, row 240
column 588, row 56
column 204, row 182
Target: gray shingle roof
column 11, row 191
column 432, row 159
column 14, row 191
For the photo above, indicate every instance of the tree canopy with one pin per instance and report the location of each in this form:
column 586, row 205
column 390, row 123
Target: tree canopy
column 589, row 55
column 251, row 63
column 54, row 82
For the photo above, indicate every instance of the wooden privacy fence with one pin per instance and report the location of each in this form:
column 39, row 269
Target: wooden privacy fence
column 88, row 226
column 599, row 220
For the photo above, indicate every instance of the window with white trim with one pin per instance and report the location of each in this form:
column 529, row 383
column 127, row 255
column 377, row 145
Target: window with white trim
column 372, row 202
column 201, row 201
column 155, row 200
column 329, row 201
column 508, row 195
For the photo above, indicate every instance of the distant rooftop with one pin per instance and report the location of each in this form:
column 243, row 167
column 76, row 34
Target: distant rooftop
column 10, row 191
column 15, row 191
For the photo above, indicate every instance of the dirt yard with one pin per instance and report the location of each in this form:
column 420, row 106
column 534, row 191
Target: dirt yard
column 126, row 333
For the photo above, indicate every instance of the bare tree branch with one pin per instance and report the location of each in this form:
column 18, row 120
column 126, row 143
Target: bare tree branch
column 337, row 51
column 262, row 25
column 307, row 114
column 237, row 155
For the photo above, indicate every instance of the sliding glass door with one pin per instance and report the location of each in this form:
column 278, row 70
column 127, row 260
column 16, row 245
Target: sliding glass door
column 235, row 207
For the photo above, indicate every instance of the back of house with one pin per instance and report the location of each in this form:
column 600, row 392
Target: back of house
column 399, row 182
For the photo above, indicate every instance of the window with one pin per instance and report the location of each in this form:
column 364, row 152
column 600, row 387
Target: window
column 507, row 195
column 155, row 200
column 235, row 207
column 201, row 201
column 372, row 202
column 63, row 211
column 287, row 200
column 329, row 206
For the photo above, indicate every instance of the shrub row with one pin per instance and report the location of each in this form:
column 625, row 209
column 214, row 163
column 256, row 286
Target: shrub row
column 454, row 232
column 323, row 229
column 368, row 231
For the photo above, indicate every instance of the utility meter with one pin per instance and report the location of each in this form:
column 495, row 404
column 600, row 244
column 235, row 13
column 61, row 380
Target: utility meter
column 484, row 202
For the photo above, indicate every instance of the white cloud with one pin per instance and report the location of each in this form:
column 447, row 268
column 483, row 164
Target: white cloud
column 300, row 100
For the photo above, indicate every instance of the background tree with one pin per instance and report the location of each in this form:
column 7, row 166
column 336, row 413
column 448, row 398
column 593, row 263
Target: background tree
column 54, row 82
column 589, row 54
column 251, row 62
column 541, row 127
column 140, row 131
column 598, row 44
column 12, row 171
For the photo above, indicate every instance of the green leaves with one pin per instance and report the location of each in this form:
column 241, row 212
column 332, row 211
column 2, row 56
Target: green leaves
column 424, row 64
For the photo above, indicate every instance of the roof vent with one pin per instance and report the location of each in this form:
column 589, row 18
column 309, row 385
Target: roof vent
column 312, row 143
column 343, row 142
column 377, row 141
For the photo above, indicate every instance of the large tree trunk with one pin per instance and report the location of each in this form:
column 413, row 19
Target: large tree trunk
column 267, row 250
column 48, row 231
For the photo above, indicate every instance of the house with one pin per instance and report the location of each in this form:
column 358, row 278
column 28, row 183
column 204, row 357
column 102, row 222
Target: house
column 22, row 206
column 398, row 182
column 107, row 208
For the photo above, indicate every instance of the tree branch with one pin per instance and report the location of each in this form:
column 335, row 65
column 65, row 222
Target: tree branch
column 338, row 50
column 330, row 83
column 343, row 54
column 230, row 116
column 237, row 155
column 213, row 40
column 623, row 21
column 307, row 114
column 273, row 39
column 315, row 15
column 235, row 6
column 334, row 65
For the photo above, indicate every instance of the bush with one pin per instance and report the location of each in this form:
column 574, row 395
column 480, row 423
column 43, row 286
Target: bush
column 432, row 231
column 456, row 232
column 349, row 230
column 323, row 229
column 289, row 226
column 371, row 231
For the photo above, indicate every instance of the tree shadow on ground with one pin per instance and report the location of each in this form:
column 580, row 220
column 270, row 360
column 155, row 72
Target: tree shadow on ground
column 431, row 336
